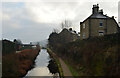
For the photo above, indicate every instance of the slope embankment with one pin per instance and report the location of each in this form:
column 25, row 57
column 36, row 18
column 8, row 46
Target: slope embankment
column 17, row 64
column 98, row 56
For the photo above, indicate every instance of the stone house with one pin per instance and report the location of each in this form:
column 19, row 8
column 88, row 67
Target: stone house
column 67, row 36
column 97, row 24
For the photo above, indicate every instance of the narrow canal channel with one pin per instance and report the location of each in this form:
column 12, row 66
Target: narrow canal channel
column 43, row 67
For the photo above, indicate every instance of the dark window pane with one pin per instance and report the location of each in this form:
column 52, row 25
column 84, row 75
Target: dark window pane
column 101, row 24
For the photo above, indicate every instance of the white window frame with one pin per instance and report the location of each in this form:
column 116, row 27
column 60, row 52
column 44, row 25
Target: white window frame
column 101, row 32
column 84, row 25
column 102, row 23
column 83, row 35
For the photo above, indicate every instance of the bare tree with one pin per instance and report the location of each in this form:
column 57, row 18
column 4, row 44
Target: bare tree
column 55, row 30
column 66, row 24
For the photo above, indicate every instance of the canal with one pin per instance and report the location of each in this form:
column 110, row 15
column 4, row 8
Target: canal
column 43, row 66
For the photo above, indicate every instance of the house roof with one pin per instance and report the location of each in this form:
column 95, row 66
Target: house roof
column 27, row 45
column 98, row 15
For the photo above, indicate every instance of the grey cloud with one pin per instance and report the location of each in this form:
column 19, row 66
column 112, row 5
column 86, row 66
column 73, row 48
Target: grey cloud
column 29, row 30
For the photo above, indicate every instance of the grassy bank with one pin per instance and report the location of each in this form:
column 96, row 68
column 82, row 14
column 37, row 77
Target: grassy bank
column 57, row 62
column 17, row 64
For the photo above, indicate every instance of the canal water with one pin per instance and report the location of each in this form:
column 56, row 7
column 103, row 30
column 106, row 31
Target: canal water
column 41, row 67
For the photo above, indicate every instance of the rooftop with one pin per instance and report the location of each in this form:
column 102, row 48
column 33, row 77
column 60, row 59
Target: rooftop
column 98, row 15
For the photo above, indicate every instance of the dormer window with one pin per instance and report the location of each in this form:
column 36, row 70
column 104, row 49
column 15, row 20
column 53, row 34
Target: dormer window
column 101, row 24
column 84, row 25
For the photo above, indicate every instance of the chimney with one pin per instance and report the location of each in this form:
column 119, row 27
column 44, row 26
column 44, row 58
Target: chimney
column 95, row 9
column 101, row 11
column 113, row 17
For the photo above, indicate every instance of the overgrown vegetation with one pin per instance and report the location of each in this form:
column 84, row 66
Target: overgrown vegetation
column 53, row 66
column 17, row 64
column 98, row 56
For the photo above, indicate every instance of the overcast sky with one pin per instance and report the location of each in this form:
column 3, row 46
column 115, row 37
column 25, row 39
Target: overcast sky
column 34, row 21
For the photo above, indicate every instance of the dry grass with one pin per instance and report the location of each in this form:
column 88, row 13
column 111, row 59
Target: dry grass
column 17, row 64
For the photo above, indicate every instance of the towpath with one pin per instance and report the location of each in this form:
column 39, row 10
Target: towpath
column 65, row 69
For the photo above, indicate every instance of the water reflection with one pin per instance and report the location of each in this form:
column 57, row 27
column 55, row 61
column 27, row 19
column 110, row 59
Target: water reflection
column 41, row 69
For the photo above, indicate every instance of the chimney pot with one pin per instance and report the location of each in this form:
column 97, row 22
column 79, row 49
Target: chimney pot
column 101, row 11
column 95, row 9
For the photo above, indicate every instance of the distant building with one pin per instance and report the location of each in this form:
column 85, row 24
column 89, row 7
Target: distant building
column 68, row 35
column 97, row 24
column 65, row 36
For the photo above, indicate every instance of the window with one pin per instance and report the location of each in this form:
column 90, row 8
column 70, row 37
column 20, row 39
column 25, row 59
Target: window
column 83, row 35
column 84, row 25
column 101, row 32
column 101, row 24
